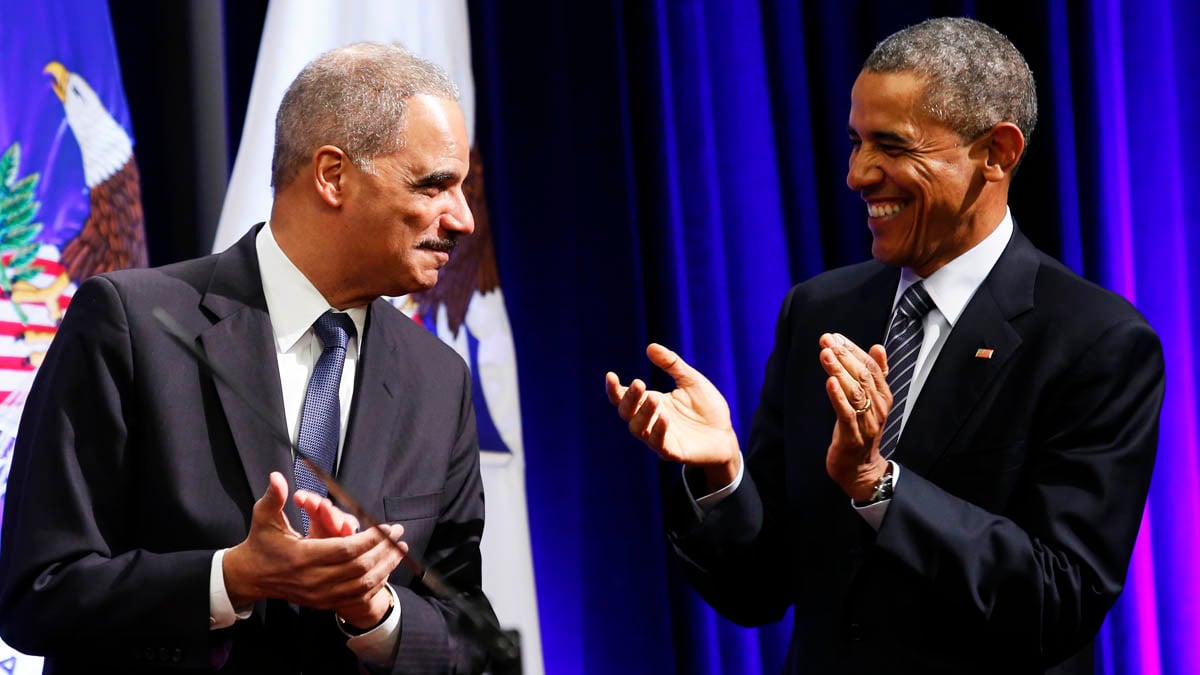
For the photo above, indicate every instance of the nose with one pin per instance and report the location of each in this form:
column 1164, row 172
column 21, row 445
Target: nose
column 458, row 218
column 864, row 170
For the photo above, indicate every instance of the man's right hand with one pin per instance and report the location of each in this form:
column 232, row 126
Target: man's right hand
column 691, row 424
column 275, row 561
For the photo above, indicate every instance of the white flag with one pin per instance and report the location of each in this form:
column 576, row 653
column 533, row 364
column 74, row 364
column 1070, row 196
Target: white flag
column 474, row 322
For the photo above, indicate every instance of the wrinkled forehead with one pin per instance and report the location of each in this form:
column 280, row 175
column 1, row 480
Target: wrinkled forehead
column 908, row 87
column 433, row 122
column 435, row 139
column 887, row 99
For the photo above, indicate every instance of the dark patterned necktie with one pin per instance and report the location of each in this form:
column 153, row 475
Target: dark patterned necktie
column 321, row 416
column 905, row 336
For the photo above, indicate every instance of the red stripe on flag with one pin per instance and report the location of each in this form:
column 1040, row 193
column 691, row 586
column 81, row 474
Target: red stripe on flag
column 14, row 363
column 52, row 267
column 17, row 329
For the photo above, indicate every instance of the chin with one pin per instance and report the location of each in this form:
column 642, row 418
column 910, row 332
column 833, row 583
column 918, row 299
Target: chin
column 890, row 255
column 881, row 253
column 425, row 282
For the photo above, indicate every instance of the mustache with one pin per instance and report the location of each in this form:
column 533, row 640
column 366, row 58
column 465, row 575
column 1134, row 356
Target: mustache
column 445, row 244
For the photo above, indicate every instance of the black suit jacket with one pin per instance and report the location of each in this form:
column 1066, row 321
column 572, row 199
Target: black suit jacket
column 1023, row 478
column 132, row 466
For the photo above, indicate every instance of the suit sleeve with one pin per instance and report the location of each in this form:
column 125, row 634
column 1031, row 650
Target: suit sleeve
column 1041, row 580
column 68, row 579
column 435, row 636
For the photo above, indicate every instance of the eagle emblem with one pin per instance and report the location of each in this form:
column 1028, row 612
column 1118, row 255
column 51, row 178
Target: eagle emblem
column 112, row 237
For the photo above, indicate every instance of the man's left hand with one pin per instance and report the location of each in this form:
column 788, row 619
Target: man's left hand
column 858, row 390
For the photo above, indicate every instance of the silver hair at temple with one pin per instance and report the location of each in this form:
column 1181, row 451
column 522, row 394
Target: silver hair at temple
column 975, row 77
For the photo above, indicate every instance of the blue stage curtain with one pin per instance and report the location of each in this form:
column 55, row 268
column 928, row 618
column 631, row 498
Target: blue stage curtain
column 665, row 170
column 1139, row 106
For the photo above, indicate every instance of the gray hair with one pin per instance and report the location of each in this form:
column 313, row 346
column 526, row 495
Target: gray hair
column 353, row 97
column 975, row 78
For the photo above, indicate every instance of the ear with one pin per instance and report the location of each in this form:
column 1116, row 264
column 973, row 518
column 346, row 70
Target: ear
column 1005, row 145
column 330, row 166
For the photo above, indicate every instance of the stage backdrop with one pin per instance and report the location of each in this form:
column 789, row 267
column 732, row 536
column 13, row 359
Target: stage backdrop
column 665, row 170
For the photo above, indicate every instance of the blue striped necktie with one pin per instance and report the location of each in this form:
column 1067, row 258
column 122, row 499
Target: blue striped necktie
column 321, row 416
column 905, row 336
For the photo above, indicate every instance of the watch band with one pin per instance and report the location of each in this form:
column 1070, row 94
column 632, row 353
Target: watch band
column 883, row 489
column 354, row 631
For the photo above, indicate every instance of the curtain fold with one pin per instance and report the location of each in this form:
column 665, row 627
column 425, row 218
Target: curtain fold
column 1145, row 62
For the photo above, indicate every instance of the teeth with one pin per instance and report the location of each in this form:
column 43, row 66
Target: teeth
column 885, row 210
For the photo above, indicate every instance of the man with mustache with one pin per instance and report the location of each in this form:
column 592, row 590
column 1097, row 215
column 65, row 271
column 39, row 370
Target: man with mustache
column 976, row 505
column 148, row 525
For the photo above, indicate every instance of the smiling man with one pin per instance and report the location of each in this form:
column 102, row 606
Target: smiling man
column 954, row 443
column 148, row 525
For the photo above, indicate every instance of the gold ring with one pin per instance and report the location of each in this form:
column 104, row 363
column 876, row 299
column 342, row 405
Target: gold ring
column 865, row 408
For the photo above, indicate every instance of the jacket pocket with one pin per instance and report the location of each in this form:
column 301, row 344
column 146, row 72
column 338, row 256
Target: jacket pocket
column 412, row 507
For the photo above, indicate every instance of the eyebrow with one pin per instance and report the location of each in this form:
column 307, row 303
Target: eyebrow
column 440, row 177
column 890, row 137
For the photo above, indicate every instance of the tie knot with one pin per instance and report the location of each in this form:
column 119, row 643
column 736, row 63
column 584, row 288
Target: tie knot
column 915, row 303
column 334, row 329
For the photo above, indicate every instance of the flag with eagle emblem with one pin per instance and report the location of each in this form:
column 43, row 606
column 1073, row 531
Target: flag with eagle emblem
column 466, row 308
column 70, row 200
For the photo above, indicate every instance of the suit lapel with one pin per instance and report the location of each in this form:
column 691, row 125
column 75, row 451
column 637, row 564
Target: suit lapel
column 240, row 345
column 381, row 376
column 959, row 378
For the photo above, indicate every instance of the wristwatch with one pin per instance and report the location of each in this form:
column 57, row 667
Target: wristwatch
column 353, row 631
column 883, row 489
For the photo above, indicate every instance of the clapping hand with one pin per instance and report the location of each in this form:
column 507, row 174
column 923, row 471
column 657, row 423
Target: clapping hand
column 858, row 390
column 690, row 424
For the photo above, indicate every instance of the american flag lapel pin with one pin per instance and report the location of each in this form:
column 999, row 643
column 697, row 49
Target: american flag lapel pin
column 983, row 353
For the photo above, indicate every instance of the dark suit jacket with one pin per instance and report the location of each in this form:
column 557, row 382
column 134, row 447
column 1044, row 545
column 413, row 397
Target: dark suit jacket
column 1022, row 483
column 132, row 466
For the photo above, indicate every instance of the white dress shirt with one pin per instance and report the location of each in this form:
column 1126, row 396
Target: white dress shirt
column 951, row 287
column 294, row 304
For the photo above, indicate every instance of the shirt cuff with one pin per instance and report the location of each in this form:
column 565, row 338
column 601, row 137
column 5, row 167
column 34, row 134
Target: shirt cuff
column 874, row 513
column 376, row 646
column 221, row 613
column 702, row 506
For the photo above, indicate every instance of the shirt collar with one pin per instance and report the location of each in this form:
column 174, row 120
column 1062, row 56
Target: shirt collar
column 953, row 285
column 293, row 303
